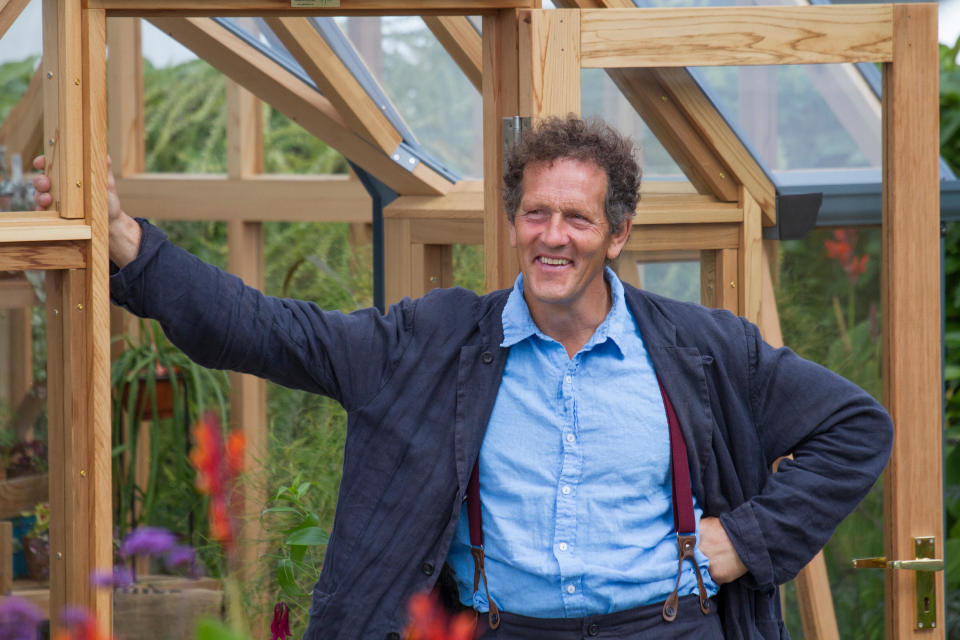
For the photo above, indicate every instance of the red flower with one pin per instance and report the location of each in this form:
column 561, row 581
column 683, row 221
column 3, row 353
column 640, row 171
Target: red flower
column 430, row 621
column 217, row 469
column 841, row 250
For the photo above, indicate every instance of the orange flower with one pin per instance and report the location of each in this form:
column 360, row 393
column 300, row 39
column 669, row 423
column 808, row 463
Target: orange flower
column 430, row 621
column 217, row 469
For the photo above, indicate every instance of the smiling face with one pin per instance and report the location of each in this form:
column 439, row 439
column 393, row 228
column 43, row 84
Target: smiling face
column 562, row 239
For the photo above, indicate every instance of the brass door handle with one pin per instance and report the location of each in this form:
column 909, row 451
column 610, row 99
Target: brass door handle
column 880, row 562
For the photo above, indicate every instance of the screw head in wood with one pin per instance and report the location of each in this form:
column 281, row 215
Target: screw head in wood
column 83, row 473
column 49, row 74
column 733, row 285
column 56, row 312
column 722, row 176
column 79, row 184
column 59, row 555
column 76, row 81
column 79, row 306
column 50, row 142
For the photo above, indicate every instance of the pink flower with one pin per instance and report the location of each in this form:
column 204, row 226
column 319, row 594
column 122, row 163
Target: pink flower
column 280, row 627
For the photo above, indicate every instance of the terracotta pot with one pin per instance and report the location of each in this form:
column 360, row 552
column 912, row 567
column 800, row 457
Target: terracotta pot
column 36, row 553
column 164, row 389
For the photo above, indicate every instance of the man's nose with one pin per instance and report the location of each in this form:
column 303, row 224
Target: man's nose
column 556, row 232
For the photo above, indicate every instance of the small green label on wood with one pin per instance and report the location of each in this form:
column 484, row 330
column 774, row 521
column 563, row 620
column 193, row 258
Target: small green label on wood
column 310, row 4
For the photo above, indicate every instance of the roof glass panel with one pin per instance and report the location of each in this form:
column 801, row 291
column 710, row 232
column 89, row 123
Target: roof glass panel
column 799, row 117
column 434, row 98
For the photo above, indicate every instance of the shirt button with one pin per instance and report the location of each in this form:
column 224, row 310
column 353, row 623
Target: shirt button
column 571, row 588
column 593, row 630
column 563, row 546
column 427, row 568
column 568, row 379
column 571, row 437
column 487, row 357
column 565, row 490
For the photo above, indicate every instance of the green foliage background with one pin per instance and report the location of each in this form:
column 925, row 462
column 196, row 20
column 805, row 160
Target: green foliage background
column 185, row 132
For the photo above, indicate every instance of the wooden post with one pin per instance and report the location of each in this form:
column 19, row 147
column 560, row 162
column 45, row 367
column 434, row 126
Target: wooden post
column 718, row 279
column 248, row 394
column 751, row 257
column 78, row 310
column 125, row 104
column 500, row 99
column 913, row 503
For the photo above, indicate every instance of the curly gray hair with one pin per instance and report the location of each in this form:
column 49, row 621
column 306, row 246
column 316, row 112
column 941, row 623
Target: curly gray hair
column 590, row 140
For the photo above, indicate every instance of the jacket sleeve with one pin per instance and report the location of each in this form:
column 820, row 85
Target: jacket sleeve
column 840, row 438
column 221, row 323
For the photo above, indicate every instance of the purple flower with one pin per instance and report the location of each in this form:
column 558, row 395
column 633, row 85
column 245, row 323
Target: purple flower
column 74, row 616
column 19, row 619
column 181, row 556
column 146, row 541
column 120, row 577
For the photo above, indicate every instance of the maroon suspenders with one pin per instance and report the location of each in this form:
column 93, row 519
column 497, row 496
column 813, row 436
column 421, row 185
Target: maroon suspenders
column 684, row 521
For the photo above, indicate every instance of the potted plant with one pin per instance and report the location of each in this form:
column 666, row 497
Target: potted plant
column 155, row 386
column 36, row 544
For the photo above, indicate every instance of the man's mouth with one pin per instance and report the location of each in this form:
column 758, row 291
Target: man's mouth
column 557, row 262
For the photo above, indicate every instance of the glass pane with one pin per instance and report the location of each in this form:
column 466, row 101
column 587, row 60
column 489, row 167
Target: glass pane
column 800, row 117
column 23, row 429
column 828, row 298
column 672, row 274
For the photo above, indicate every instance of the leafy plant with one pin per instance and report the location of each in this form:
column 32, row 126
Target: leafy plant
column 138, row 377
column 300, row 526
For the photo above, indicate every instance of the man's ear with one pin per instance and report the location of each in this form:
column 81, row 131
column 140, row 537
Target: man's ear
column 619, row 239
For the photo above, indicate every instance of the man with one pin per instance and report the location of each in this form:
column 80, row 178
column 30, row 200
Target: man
column 552, row 393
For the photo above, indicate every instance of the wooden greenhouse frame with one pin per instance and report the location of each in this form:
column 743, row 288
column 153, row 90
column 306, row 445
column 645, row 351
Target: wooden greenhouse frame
column 527, row 63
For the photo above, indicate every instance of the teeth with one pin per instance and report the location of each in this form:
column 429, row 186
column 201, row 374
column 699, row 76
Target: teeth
column 554, row 261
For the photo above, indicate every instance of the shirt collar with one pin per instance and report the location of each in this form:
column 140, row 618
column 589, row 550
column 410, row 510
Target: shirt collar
column 518, row 324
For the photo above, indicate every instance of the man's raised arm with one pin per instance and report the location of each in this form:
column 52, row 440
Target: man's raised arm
column 124, row 230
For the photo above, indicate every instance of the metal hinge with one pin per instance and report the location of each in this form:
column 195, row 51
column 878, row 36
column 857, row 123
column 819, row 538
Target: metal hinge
column 513, row 129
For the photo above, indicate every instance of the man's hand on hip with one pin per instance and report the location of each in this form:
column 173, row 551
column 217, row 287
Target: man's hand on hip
column 725, row 563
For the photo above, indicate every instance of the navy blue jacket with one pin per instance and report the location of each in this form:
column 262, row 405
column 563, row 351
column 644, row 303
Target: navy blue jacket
column 419, row 386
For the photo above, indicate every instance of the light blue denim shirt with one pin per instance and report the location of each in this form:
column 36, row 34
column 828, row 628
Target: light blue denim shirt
column 575, row 476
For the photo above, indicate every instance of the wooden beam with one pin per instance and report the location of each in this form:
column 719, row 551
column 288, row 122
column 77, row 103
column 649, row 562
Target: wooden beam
column 718, row 279
column 913, row 489
column 248, row 394
column 283, row 7
column 701, row 163
column 398, row 256
column 94, row 525
column 22, row 129
column 125, row 100
column 500, row 99
column 336, row 82
column 549, row 62
column 751, row 258
column 69, row 254
column 726, row 36
column 27, row 228
column 22, row 494
column 424, row 231
column 244, row 133
column 9, row 10
column 291, row 96
column 465, row 201
column 62, row 93
column 265, row 198
column 462, row 42
column 668, row 237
